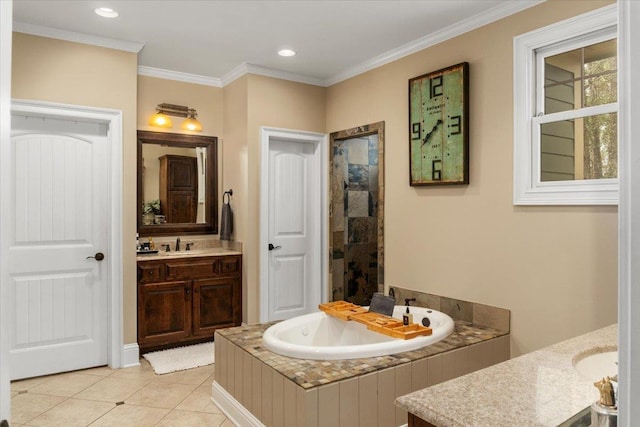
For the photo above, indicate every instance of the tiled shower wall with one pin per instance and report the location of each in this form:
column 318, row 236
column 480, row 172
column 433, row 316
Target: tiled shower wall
column 354, row 218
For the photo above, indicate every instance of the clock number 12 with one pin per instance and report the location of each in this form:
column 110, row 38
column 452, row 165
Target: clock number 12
column 435, row 87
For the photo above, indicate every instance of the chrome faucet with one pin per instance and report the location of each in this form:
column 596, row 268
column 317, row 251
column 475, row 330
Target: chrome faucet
column 177, row 244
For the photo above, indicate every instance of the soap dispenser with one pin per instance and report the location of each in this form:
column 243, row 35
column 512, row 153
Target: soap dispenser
column 407, row 317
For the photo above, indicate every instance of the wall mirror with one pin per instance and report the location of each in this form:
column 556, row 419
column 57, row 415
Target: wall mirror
column 177, row 184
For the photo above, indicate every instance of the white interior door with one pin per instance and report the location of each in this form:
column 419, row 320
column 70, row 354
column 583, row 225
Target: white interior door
column 294, row 227
column 58, row 286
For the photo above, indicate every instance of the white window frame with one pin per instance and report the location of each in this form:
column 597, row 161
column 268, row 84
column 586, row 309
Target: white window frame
column 528, row 189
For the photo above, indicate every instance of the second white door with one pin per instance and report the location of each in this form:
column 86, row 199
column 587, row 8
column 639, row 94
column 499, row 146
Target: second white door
column 295, row 243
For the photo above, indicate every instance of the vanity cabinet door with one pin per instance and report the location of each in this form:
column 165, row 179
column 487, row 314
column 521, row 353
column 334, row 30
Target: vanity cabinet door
column 230, row 265
column 164, row 312
column 150, row 272
column 214, row 305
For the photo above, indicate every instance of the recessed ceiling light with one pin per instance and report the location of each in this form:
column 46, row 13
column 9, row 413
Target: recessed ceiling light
column 106, row 12
column 286, row 52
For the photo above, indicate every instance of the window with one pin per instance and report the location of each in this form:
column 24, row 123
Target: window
column 565, row 97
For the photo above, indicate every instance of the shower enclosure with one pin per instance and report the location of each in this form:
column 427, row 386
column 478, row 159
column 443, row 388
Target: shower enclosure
column 357, row 213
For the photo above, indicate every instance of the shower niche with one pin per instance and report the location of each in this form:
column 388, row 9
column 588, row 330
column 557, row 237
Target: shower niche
column 356, row 237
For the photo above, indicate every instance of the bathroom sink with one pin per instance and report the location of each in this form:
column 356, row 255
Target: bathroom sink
column 596, row 364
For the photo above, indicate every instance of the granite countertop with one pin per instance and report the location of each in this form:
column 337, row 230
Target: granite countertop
column 312, row 373
column 162, row 255
column 541, row 388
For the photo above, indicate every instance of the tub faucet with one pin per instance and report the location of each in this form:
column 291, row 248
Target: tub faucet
column 177, row 244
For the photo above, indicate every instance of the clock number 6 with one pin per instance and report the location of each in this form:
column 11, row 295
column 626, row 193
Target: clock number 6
column 435, row 87
column 436, row 170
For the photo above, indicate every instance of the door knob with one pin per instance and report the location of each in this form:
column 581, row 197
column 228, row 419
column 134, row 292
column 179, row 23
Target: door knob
column 271, row 247
column 99, row 256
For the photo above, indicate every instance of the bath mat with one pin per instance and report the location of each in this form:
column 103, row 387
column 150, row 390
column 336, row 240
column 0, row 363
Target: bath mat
column 181, row 358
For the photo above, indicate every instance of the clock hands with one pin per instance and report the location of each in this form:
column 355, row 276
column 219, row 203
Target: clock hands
column 429, row 134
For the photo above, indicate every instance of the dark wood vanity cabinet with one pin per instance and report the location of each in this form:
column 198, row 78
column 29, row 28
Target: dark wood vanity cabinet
column 183, row 301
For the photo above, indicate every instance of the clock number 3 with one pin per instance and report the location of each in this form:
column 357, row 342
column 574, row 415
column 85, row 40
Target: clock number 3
column 455, row 125
column 435, row 87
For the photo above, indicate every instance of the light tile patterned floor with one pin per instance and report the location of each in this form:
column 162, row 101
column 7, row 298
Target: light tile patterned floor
column 122, row 397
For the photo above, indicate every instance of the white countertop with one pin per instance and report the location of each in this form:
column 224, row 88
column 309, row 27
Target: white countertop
column 541, row 388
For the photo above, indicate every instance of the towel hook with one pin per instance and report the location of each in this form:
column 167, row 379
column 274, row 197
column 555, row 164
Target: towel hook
column 229, row 194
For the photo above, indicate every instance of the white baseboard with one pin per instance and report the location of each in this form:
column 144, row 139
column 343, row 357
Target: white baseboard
column 130, row 355
column 237, row 414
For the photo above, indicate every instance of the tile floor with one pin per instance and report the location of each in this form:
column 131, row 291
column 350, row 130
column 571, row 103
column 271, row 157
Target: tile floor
column 133, row 396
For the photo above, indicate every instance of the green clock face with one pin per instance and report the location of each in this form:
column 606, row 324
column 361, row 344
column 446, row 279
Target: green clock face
column 438, row 122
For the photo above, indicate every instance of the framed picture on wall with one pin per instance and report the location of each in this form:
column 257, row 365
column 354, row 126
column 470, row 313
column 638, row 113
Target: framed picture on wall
column 439, row 127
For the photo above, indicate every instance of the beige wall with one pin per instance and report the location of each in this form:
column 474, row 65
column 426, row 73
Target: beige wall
column 250, row 103
column 234, row 168
column 71, row 73
column 555, row 268
column 207, row 100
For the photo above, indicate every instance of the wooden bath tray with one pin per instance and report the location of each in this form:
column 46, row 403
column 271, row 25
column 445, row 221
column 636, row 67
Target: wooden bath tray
column 342, row 309
column 374, row 321
column 410, row 331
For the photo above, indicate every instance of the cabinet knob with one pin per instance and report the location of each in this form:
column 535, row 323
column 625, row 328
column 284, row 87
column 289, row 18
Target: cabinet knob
column 187, row 290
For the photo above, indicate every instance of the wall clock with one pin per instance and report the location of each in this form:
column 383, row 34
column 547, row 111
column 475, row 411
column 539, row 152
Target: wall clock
column 439, row 127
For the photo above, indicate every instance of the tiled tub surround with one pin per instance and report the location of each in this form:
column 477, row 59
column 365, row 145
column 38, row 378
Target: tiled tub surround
column 473, row 312
column 281, row 391
column 541, row 388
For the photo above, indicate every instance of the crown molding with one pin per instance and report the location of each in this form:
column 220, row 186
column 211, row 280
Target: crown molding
column 246, row 68
column 470, row 24
column 234, row 74
column 71, row 36
column 179, row 76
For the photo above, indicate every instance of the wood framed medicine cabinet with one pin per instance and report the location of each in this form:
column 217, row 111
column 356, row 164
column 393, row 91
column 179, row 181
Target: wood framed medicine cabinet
column 153, row 182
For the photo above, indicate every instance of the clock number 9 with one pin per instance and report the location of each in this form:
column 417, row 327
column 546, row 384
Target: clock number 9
column 455, row 125
column 416, row 131
column 435, row 87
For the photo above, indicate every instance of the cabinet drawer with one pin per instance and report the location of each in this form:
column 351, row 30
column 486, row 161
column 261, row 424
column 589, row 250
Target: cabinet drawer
column 229, row 265
column 150, row 273
column 190, row 270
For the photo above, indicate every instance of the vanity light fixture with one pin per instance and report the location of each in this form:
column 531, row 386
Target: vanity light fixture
column 286, row 52
column 106, row 12
column 161, row 117
column 191, row 123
